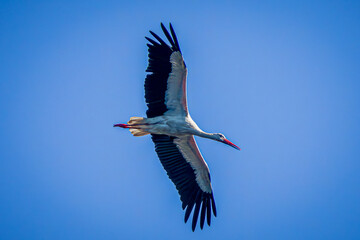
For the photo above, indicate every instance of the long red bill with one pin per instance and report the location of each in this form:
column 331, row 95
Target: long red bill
column 231, row 144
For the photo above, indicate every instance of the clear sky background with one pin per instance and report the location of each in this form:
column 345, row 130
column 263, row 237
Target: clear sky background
column 281, row 79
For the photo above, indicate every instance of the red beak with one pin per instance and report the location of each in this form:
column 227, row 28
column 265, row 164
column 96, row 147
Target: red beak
column 231, row 144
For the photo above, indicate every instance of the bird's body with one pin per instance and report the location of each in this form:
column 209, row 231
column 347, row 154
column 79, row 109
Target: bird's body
column 172, row 129
column 169, row 125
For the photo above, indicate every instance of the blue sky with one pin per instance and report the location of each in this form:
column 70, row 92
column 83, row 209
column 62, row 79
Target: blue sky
column 278, row 78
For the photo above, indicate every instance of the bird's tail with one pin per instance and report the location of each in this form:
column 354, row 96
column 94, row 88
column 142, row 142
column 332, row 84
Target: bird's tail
column 136, row 126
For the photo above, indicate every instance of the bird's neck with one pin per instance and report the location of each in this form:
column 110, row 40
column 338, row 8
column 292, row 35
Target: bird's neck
column 207, row 135
column 198, row 132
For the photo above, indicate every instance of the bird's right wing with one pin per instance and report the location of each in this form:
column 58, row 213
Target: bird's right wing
column 186, row 168
column 165, row 85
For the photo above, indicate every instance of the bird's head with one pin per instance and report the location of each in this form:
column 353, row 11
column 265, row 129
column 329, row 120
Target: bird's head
column 221, row 138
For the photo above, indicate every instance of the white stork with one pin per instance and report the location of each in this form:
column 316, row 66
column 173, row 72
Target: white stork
column 172, row 129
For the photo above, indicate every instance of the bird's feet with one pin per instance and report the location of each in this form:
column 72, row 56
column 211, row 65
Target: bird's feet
column 121, row 125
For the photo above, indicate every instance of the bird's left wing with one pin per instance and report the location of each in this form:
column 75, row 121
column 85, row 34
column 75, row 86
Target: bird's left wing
column 187, row 169
column 165, row 85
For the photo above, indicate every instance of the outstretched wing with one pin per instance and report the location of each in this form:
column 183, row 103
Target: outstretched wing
column 189, row 172
column 165, row 85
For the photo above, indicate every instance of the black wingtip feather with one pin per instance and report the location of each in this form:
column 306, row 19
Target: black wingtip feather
column 213, row 204
column 168, row 37
column 196, row 210
column 188, row 211
column 174, row 37
column 202, row 216
column 187, row 194
column 152, row 41
column 157, row 38
column 208, row 212
column 190, row 205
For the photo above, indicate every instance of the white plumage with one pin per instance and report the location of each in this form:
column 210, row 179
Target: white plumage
column 173, row 130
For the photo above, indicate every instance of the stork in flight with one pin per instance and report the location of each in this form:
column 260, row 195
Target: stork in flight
column 172, row 129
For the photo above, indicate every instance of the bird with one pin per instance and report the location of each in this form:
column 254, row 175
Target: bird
column 172, row 129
